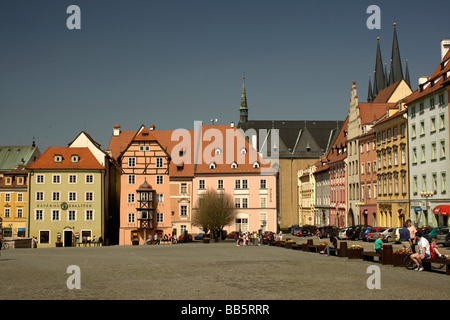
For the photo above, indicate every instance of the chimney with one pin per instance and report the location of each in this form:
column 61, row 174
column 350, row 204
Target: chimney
column 116, row 130
column 445, row 46
column 232, row 124
column 152, row 127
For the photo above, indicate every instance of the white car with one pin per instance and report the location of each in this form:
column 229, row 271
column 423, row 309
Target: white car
column 342, row 234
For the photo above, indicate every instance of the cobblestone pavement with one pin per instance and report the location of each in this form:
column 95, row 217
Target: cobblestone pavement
column 197, row 271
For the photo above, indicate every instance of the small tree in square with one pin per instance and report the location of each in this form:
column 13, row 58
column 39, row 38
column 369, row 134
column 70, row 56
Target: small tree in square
column 214, row 211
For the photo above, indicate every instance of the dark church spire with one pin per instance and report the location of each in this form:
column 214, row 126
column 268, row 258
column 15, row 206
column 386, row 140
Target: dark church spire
column 407, row 74
column 378, row 80
column 243, row 109
column 396, row 63
column 369, row 94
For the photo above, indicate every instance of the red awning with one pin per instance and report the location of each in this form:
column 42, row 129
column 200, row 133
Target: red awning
column 443, row 209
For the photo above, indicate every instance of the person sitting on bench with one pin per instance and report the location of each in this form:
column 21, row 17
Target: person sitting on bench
column 332, row 246
column 434, row 252
column 379, row 244
column 424, row 251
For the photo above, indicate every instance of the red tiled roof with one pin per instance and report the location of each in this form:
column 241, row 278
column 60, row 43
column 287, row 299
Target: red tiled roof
column 86, row 161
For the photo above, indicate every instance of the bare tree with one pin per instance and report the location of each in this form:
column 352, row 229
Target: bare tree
column 214, row 211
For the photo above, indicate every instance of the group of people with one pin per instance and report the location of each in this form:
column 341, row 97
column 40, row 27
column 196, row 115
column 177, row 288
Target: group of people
column 159, row 238
column 248, row 237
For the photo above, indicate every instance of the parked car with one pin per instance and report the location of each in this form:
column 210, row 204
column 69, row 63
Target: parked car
column 200, row 236
column 294, row 229
column 185, row 238
column 354, row 232
column 396, row 235
column 232, row 235
column 328, row 231
column 447, row 240
column 342, row 235
column 364, row 234
column 374, row 233
column 388, row 234
column 429, row 233
column 306, row 231
column 441, row 233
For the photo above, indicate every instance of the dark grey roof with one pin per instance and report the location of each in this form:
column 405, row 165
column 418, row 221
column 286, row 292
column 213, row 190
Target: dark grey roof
column 297, row 139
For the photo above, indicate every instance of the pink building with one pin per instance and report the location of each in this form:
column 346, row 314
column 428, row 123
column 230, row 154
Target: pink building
column 164, row 173
column 337, row 162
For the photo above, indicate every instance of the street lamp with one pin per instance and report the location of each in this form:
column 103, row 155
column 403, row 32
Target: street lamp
column 426, row 195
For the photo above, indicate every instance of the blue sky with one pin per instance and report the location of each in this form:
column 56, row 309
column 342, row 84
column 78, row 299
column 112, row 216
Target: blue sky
column 172, row 62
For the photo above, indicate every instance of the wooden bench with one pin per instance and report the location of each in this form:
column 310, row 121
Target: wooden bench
column 312, row 248
column 370, row 256
column 428, row 261
column 334, row 252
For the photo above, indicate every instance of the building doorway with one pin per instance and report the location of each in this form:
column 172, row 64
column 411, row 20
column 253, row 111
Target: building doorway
column 67, row 238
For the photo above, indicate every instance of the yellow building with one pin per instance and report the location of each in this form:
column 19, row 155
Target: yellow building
column 392, row 168
column 13, row 202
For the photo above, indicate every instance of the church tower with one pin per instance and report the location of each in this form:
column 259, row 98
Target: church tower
column 243, row 109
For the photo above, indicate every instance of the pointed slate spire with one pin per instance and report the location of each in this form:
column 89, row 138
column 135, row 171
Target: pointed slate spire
column 369, row 94
column 386, row 82
column 407, row 74
column 396, row 64
column 379, row 72
column 243, row 109
column 390, row 77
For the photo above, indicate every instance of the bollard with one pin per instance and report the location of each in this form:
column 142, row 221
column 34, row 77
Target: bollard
column 387, row 254
column 343, row 250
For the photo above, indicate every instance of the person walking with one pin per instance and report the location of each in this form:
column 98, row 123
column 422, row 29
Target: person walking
column 412, row 234
column 405, row 237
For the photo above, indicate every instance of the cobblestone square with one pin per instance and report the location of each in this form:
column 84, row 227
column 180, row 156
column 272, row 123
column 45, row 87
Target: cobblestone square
column 197, row 271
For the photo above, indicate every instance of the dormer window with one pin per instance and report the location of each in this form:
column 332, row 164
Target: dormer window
column 58, row 158
column 218, row 151
column 74, row 158
column 256, row 165
column 8, row 181
column 234, row 165
column 212, row 166
column 243, row 151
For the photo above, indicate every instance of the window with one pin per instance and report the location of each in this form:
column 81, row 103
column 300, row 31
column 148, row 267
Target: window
column 89, row 178
column 160, row 217
column 443, row 182
column 413, row 111
column 183, row 211
column 55, row 215
column 443, row 149
column 19, row 212
column 423, row 157
column 131, row 179
column 218, row 151
column 39, row 215
column 183, row 188
column 19, row 197
column 433, row 125
column 263, row 184
column 369, row 192
column 7, row 197
column 131, row 217
column 424, row 183
column 89, row 215
column 241, row 224
column 144, row 148
column 72, row 196
column 403, row 150
column 44, row 236
column 433, row 151
column 414, row 156
column 395, row 157
column 434, row 182
column 72, row 215
column 413, row 131
column 237, row 184
column 396, row 185
column 244, row 184
column 415, row 188
column 72, row 178
column 432, row 104
column 389, row 135
column 219, row 184
column 58, row 158
column 441, row 99
column 40, row 178
column 368, row 167
column 212, row 165
column 256, row 165
column 421, row 107
column 89, row 196
column 130, row 198
column 263, row 202
column 39, row 196
column 402, row 130
column 56, row 196
column 159, row 162
column 234, row 165
column 7, row 212
column 422, row 128
column 404, row 189
column 131, row 162
column 362, row 168
column 56, row 179
column 159, row 179
column 74, row 158
column 237, row 202
column 243, row 151
column 160, row 197
column 244, row 203
column 201, row 184
column 394, row 133
column 442, row 122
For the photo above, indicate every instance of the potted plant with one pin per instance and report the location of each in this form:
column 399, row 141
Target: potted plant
column 398, row 257
column 322, row 246
column 305, row 246
column 206, row 240
column 355, row 252
column 59, row 244
column 289, row 244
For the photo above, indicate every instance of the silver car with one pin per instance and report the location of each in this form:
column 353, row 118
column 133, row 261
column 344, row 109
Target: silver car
column 441, row 233
column 342, row 234
column 389, row 234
